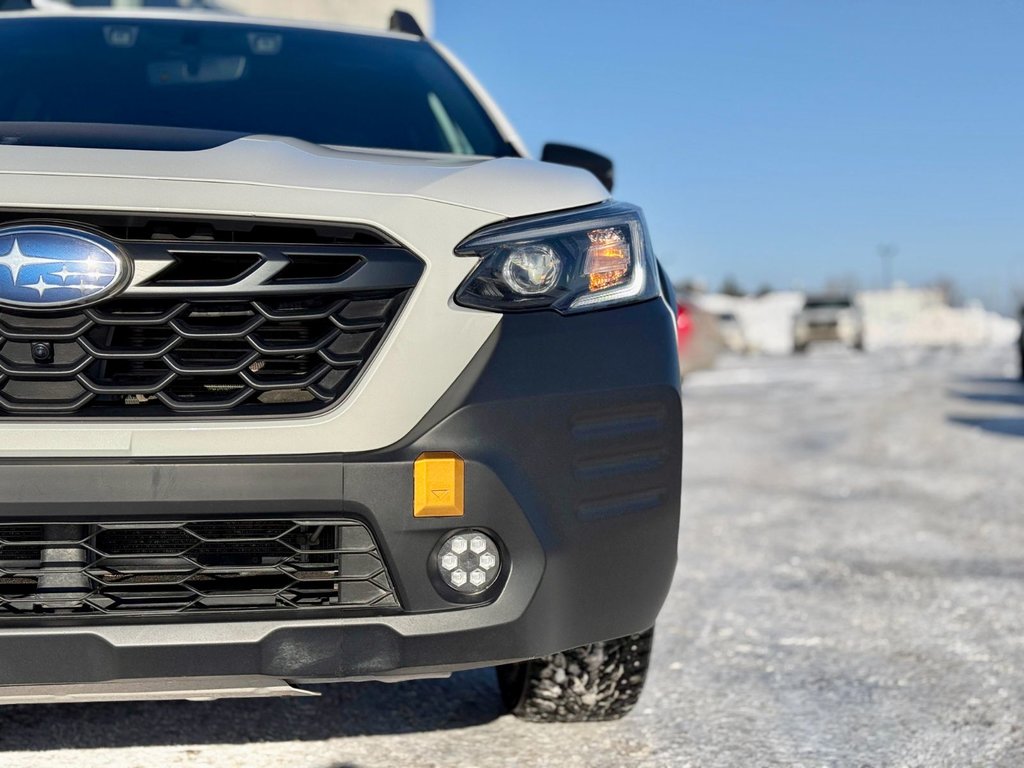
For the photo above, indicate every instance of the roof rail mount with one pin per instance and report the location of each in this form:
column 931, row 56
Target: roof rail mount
column 403, row 21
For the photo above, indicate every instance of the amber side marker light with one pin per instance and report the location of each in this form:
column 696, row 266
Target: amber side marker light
column 440, row 482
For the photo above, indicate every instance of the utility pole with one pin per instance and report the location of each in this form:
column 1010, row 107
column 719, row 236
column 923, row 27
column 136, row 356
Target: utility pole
column 887, row 253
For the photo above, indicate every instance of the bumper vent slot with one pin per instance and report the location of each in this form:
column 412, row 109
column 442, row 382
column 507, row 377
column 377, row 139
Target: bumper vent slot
column 119, row 569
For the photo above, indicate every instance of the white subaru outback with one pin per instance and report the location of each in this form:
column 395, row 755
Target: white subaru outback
column 308, row 373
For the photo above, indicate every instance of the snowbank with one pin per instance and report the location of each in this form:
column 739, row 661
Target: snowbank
column 901, row 317
column 908, row 317
column 767, row 321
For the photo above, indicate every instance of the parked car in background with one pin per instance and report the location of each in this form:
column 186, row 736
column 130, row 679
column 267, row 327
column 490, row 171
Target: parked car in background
column 699, row 340
column 829, row 319
column 734, row 339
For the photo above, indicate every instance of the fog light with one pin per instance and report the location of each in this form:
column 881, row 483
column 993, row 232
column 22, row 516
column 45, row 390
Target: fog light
column 469, row 562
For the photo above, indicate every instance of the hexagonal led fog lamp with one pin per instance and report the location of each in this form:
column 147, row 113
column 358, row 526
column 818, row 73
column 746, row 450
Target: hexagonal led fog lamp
column 469, row 562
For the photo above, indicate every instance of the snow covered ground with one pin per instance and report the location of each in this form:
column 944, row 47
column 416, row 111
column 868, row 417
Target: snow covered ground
column 849, row 594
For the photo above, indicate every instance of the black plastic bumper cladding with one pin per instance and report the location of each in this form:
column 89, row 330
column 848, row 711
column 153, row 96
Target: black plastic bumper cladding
column 571, row 429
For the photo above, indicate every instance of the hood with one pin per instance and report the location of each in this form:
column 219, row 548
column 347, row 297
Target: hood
column 505, row 187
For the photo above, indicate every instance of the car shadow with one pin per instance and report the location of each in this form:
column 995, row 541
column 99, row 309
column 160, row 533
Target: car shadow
column 990, row 391
column 1013, row 427
column 999, row 398
column 1012, row 380
column 354, row 709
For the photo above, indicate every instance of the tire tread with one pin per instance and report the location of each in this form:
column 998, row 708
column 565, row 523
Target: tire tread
column 597, row 682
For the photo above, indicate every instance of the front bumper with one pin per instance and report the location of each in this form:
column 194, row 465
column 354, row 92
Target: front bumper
column 819, row 333
column 571, row 432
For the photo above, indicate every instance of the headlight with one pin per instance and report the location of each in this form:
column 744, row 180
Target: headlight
column 569, row 262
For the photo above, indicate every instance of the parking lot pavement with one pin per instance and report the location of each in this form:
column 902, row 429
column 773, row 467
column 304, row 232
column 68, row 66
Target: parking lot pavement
column 849, row 594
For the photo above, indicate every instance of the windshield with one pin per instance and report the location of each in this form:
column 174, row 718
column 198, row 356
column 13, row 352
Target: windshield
column 828, row 304
column 321, row 86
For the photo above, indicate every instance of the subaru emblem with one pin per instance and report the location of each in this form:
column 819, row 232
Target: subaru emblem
column 51, row 267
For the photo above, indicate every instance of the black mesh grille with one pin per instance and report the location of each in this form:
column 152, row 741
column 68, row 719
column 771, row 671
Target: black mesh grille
column 162, row 357
column 219, row 324
column 99, row 569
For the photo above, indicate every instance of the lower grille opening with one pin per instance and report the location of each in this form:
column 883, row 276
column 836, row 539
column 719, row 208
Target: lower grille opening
column 124, row 569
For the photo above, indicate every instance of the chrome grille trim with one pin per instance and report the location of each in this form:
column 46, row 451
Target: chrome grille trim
column 379, row 267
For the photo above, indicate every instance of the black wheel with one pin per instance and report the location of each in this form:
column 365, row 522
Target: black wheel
column 592, row 683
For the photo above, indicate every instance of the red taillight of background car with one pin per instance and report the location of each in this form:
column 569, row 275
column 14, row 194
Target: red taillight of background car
column 684, row 325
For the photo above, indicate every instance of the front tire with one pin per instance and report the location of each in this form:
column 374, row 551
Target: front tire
column 593, row 683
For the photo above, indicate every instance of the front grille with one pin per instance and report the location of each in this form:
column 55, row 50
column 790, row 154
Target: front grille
column 213, row 323
column 124, row 569
column 217, row 355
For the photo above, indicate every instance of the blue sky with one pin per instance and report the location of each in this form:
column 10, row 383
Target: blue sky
column 782, row 141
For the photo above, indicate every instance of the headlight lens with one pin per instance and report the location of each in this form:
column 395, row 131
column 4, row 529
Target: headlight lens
column 532, row 269
column 569, row 262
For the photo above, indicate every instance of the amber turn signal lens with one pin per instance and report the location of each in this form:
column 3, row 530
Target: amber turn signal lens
column 608, row 258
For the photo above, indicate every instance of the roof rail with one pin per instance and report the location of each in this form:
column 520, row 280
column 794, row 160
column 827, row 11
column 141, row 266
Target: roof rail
column 403, row 21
